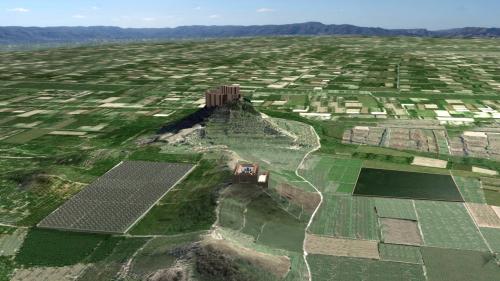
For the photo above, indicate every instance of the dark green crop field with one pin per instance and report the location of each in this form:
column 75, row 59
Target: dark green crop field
column 398, row 184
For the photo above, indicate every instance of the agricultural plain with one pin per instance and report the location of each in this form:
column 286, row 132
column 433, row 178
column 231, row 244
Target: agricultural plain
column 318, row 113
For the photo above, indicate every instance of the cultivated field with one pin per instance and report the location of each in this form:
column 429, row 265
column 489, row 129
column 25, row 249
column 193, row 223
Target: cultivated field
column 398, row 184
column 448, row 225
column 117, row 200
column 69, row 115
column 332, row 175
column 341, row 268
column 347, row 217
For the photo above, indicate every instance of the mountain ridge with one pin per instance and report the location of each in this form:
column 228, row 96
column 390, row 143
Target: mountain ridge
column 66, row 34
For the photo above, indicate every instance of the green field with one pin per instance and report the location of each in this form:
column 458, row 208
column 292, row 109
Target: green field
column 399, row 184
column 492, row 236
column 329, row 268
column 400, row 253
column 347, row 217
column 56, row 248
column 458, row 265
column 470, row 189
column 448, row 225
column 332, row 175
column 395, row 208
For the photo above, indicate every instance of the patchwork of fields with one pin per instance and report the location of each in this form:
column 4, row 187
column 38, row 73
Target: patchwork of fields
column 69, row 115
column 409, row 232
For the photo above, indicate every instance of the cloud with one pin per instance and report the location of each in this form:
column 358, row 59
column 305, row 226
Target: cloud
column 79, row 16
column 197, row 8
column 214, row 16
column 265, row 10
column 95, row 8
column 148, row 19
column 19, row 10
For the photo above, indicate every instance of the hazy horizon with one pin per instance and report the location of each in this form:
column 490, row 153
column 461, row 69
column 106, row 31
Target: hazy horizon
column 389, row 14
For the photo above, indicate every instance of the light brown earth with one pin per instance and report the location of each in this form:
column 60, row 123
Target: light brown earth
column 65, row 273
column 277, row 265
column 497, row 210
column 322, row 245
column 429, row 162
column 308, row 200
column 178, row 272
column 484, row 171
column 398, row 231
column 484, row 215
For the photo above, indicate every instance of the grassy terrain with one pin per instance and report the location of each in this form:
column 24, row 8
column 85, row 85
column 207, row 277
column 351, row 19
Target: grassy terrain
column 6, row 268
column 190, row 206
column 272, row 226
column 109, row 267
column 159, row 253
column 55, row 248
column 10, row 243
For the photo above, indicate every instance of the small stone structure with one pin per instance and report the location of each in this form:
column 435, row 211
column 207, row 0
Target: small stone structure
column 249, row 174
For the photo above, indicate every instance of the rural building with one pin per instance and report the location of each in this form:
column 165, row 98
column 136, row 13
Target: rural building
column 249, row 174
column 222, row 95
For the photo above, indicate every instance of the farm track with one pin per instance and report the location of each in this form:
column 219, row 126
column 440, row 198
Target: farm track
column 317, row 208
column 13, row 226
column 123, row 273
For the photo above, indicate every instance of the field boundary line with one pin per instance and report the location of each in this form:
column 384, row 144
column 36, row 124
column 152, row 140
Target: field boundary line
column 159, row 199
column 470, row 214
column 163, row 235
column 357, row 178
column 424, row 268
column 418, row 221
column 83, row 215
column 478, row 228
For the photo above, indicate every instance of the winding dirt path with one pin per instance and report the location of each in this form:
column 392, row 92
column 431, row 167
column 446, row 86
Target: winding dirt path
column 320, row 202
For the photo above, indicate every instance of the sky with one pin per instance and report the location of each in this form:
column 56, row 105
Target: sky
column 430, row 14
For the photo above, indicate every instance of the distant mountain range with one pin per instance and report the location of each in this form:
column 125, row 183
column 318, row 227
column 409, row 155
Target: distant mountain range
column 34, row 35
